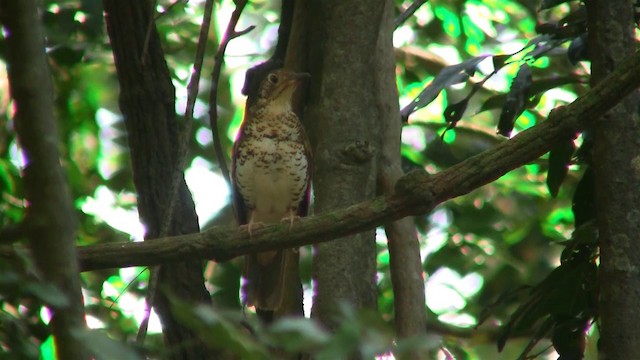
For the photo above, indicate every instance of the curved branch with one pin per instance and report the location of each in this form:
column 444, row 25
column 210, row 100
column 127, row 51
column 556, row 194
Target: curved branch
column 415, row 193
column 408, row 12
column 229, row 34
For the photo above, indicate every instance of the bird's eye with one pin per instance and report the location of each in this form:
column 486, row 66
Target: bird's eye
column 273, row 78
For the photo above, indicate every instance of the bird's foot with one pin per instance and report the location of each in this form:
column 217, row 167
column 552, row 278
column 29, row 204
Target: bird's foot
column 290, row 219
column 251, row 226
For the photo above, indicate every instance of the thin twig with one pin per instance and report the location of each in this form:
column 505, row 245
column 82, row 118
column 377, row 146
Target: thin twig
column 168, row 9
column 183, row 141
column 152, row 21
column 407, row 13
column 147, row 38
column 229, row 34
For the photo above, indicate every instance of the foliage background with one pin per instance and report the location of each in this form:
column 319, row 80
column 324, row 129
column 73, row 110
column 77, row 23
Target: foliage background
column 474, row 248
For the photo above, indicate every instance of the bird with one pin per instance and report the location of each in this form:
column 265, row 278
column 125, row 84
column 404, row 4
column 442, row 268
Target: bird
column 271, row 178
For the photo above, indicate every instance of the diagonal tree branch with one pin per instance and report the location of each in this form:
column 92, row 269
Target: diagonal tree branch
column 415, row 193
column 408, row 12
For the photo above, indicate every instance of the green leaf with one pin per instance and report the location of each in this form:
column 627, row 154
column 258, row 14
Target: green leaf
column 219, row 329
column 103, row 347
column 6, row 179
column 48, row 349
column 297, row 334
column 47, row 293
column 422, row 344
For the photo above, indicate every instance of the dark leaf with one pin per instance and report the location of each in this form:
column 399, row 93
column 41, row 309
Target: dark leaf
column 579, row 16
column 493, row 102
column 541, row 331
column 544, row 44
column 61, row 24
column 583, row 154
column 568, row 338
column 583, row 205
column 544, row 49
column 537, row 87
column 583, row 243
column 548, row 4
column 504, row 299
column 561, row 32
column 546, row 28
column 448, row 76
column 564, row 294
column 559, row 160
column 453, row 113
column 538, row 40
column 66, row 56
column 515, row 102
column 499, row 60
column 578, row 49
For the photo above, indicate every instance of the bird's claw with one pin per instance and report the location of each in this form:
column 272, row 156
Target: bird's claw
column 290, row 219
column 251, row 226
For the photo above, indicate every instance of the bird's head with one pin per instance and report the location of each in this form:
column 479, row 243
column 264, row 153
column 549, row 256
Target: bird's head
column 278, row 87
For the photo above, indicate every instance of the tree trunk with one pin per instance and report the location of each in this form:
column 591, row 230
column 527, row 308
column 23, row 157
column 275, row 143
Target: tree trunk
column 147, row 101
column 616, row 163
column 344, row 119
column 50, row 216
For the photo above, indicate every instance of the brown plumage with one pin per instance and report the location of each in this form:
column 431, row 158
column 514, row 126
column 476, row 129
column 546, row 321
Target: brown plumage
column 271, row 180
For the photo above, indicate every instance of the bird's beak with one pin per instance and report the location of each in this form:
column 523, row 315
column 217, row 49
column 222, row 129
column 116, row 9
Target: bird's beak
column 303, row 75
column 300, row 78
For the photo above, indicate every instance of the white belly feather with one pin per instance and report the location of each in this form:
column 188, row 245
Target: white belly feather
column 275, row 178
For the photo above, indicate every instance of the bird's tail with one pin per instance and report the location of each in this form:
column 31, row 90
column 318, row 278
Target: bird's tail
column 272, row 284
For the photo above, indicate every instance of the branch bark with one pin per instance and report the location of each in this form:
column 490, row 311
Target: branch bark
column 415, row 193
column 50, row 216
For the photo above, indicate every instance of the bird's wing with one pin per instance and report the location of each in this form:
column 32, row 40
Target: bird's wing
column 238, row 201
column 303, row 208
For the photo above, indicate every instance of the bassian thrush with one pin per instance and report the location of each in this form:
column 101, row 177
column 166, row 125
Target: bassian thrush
column 271, row 181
